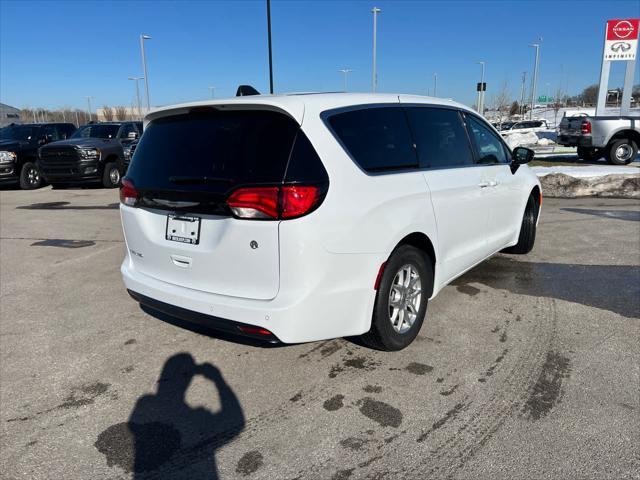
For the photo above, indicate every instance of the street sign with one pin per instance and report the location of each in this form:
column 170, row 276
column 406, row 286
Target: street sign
column 481, row 87
column 621, row 41
column 545, row 99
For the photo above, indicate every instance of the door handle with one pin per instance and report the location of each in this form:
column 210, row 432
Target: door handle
column 483, row 184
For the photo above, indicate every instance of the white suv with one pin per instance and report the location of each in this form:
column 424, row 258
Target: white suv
column 305, row 217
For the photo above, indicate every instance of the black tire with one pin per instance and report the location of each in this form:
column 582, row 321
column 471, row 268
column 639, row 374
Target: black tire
column 622, row 152
column 111, row 175
column 589, row 154
column 527, row 237
column 383, row 334
column 30, row 177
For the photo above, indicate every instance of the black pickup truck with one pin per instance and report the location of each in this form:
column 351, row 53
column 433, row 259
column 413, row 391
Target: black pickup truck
column 19, row 150
column 94, row 154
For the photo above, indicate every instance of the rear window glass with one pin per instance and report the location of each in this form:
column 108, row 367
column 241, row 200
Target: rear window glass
column 213, row 151
column 440, row 137
column 377, row 138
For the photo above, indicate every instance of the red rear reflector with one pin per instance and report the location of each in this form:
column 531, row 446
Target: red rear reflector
column 254, row 330
column 288, row 201
column 379, row 277
column 254, row 202
column 128, row 193
column 297, row 200
column 585, row 127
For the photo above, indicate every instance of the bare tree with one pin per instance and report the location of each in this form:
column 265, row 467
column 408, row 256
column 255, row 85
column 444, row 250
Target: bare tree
column 515, row 108
column 502, row 101
column 558, row 103
column 590, row 95
column 107, row 113
column 121, row 112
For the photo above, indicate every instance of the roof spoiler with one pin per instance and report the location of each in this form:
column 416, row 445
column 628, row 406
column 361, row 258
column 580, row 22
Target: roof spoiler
column 246, row 90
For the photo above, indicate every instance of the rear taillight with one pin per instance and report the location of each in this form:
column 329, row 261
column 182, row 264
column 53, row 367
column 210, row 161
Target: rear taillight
column 585, row 127
column 128, row 193
column 274, row 203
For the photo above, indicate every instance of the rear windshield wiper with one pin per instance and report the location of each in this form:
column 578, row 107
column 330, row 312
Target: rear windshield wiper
column 195, row 180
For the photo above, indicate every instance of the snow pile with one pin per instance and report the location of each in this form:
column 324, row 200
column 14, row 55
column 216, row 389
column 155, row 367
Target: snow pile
column 516, row 139
column 544, row 142
column 560, row 185
column 586, row 171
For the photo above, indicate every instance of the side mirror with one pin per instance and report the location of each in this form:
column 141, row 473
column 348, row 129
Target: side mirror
column 132, row 135
column 522, row 155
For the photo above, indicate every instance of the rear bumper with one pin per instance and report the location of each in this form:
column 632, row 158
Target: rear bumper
column 575, row 140
column 209, row 321
column 336, row 305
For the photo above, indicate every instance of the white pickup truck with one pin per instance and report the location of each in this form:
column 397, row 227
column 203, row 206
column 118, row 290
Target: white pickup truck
column 615, row 138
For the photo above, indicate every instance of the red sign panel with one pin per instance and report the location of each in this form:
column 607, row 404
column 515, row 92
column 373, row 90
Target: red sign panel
column 623, row 29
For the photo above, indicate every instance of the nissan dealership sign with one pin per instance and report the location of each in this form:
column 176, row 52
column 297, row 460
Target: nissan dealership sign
column 621, row 42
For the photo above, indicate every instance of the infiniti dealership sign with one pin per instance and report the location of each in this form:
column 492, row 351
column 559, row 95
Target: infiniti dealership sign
column 621, row 42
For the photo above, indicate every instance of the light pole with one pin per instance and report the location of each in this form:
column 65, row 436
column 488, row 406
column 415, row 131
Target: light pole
column 345, row 72
column 524, row 77
column 212, row 91
column 89, row 106
column 535, row 78
column 135, row 79
column 481, row 91
column 435, row 84
column 144, row 37
column 374, row 78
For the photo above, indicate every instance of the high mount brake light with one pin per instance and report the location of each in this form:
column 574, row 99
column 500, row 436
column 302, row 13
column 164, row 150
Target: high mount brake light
column 275, row 203
column 128, row 193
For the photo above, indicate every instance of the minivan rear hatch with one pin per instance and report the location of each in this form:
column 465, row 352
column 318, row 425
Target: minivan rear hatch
column 181, row 230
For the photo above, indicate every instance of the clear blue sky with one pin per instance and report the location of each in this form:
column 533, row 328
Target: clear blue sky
column 54, row 53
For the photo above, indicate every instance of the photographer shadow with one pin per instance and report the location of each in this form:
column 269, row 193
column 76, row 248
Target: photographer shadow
column 166, row 437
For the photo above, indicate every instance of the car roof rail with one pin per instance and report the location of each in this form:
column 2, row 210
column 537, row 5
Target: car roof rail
column 246, row 90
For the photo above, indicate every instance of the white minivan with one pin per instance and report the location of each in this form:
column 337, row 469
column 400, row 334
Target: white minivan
column 296, row 218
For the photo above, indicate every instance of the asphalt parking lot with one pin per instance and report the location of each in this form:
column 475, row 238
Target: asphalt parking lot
column 526, row 367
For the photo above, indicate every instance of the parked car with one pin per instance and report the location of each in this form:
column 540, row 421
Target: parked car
column 19, row 150
column 503, row 126
column 525, row 126
column 93, row 154
column 615, row 138
column 306, row 217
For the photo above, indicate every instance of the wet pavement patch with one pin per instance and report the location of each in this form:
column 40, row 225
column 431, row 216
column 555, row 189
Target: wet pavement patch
column 63, row 243
column 547, row 391
column 372, row 388
column 249, row 463
column 628, row 215
column 380, row 412
column 353, row 443
column 450, row 415
column 468, row 290
column 491, row 370
column 131, row 341
column 446, row 393
column 85, row 395
column 296, row 397
column 334, row 403
column 342, row 474
column 590, row 285
column 503, row 336
column 138, row 447
column 360, row 363
column 418, row 368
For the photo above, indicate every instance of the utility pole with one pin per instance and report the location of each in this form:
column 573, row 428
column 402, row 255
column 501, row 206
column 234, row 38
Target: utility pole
column 269, row 39
column 89, row 105
column 345, row 72
column 374, row 78
column 77, row 119
column 144, row 37
column 435, row 84
column 522, row 91
column 535, row 77
column 212, row 91
column 138, row 94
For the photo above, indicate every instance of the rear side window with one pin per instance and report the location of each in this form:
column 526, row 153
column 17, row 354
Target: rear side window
column 213, row 151
column 377, row 139
column 489, row 147
column 440, row 137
